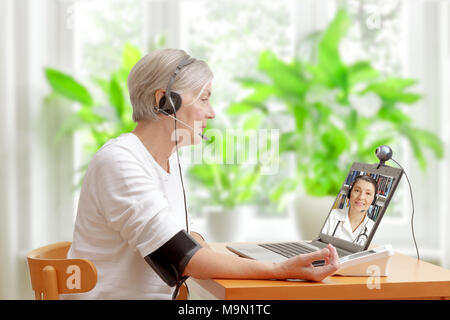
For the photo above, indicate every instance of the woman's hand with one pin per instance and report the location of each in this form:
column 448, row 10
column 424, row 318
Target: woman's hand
column 300, row 267
column 209, row 264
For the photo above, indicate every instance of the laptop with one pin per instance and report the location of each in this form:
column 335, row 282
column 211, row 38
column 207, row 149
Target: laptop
column 336, row 229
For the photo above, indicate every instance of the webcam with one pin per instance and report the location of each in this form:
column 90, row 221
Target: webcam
column 384, row 153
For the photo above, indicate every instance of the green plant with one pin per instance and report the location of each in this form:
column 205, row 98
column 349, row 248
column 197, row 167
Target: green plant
column 227, row 171
column 104, row 119
column 341, row 112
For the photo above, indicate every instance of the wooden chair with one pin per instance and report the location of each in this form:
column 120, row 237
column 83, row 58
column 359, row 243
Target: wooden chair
column 52, row 274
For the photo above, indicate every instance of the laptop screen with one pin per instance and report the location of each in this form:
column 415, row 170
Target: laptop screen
column 360, row 205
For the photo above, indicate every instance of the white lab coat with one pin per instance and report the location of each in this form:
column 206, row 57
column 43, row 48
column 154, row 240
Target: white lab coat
column 344, row 229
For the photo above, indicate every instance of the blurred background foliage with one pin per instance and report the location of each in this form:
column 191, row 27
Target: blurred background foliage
column 342, row 111
column 227, row 173
column 330, row 113
column 101, row 118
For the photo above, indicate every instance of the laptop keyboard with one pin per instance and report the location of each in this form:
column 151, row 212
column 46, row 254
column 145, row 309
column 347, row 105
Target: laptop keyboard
column 291, row 249
column 287, row 249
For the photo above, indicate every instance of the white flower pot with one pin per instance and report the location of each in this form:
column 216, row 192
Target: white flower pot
column 224, row 225
column 309, row 214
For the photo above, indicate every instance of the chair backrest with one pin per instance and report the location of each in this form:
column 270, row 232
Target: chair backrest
column 52, row 274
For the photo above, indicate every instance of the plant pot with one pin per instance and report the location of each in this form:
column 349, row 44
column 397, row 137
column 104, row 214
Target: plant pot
column 225, row 225
column 309, row 214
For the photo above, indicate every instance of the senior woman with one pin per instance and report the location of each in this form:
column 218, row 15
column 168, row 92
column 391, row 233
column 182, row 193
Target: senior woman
column 132, row 220
column 352, row 223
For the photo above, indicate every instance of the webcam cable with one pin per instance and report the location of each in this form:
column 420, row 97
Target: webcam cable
column 412, row 203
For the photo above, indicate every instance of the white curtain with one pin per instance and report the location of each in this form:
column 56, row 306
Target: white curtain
column 36, row 187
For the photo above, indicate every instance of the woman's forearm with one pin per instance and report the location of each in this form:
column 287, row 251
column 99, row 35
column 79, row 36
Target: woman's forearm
column 207, row 263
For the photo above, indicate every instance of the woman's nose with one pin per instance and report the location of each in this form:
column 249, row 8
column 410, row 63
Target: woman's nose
column 211, row 114
column 360, row 196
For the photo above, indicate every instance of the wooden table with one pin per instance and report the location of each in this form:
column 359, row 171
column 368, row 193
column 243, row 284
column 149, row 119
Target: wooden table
column 408, row 279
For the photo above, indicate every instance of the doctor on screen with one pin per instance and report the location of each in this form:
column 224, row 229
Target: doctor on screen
column 352, row 223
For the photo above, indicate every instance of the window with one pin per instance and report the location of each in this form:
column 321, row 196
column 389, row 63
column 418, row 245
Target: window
column 101, row 29
column 231, row 34
column 397, row 37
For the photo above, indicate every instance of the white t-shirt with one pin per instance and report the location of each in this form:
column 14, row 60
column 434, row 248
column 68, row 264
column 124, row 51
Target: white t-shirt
column 339, row 221
column 129, row 206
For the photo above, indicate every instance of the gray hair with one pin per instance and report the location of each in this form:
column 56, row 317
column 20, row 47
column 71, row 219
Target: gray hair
column 153, row 72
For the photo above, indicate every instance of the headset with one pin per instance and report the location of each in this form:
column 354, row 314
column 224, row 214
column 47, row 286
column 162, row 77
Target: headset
column 170, row 260
column 171, row 102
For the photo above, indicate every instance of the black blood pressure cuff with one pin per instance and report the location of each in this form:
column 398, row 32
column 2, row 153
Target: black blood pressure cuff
column 170, row 260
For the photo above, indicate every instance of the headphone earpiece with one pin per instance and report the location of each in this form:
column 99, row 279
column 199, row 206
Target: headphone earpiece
column 165, row 106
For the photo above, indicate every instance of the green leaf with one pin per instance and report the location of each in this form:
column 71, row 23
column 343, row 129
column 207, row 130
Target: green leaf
column 319, row 113
column 415, row 146
column 239, row 108
column 392, row 114
column 253, row 122
column 392, row 89
column 100, row 138
column 103, row 84
column 419, row 138
column 223, row 176
column 127, row 122
column 249, row 179
column 335, row 31
column 429, row 140
column 289, row 141
column 324, row 176
column 130, row 56
column 361, row 71
column 252, row 83
column 398, row 84
column 301, row 115
column 116, row 96
column 369, row 150
column 286, row 77
column 202, row 174
column 286, row 186
column 88, row 116
column 331, row 70
column 261, row 90
column 68, row 87
column 335, row 141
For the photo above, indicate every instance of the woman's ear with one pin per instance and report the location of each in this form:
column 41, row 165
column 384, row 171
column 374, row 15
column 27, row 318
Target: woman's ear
column 158, row 96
